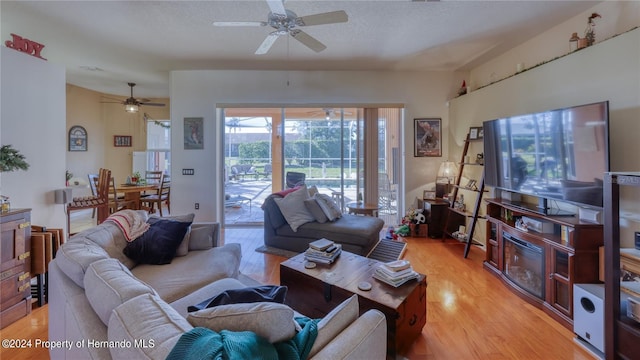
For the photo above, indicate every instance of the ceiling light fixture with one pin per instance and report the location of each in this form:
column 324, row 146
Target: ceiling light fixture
column 131, row 108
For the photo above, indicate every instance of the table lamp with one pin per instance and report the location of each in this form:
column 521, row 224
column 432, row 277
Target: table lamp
column 446, row 175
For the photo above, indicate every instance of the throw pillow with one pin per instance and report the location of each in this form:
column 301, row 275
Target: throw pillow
column 158, row 245
column 183, row 249
column 328, row 206
column 270, row 320
column 313, row 206
column 286, row 192
column 293, row 208
column 334, row 322
column 266, row 293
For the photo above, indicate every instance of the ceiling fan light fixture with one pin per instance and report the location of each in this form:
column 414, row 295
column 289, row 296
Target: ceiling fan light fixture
column 131, row 108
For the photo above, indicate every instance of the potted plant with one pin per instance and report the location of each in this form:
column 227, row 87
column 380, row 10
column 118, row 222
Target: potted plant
column 11, row 159
column 135, row 177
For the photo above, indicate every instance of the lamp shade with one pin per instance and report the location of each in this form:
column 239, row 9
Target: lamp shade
column 447, row 170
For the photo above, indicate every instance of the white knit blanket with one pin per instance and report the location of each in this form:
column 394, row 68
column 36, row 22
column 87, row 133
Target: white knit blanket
column 131, row 223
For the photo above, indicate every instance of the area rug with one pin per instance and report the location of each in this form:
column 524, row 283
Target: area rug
column 386, row 250
column 276, row 251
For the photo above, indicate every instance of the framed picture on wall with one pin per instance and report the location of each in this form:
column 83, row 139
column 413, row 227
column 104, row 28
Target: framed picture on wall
column 193, row 139
column 121, row 140
column 77, row 138
column 476, row 133
column 427, row 141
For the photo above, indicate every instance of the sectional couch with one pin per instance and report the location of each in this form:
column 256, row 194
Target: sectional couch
column 103, row 305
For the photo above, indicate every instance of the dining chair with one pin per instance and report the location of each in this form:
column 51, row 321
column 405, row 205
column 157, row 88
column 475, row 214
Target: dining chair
column 117, row 203
column 93, row 179
column 163, row 195
column 99, row 202
column 152, row 177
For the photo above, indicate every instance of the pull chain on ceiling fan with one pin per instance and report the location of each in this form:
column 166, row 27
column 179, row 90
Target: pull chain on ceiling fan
column 286, row 22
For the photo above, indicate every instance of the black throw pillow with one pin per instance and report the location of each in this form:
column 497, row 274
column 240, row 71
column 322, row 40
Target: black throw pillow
column 266, row 293
column 157, row 245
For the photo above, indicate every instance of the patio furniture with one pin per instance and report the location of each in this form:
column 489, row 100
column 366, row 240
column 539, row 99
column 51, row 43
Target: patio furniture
column 237, row 200
column 386, row 193
column 294, row 179
column 267, row 170
column 242, row 170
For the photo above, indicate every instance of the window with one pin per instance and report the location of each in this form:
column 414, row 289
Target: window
column 158, row 156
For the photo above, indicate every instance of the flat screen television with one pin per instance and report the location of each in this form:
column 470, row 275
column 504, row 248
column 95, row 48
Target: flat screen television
column 557, row 154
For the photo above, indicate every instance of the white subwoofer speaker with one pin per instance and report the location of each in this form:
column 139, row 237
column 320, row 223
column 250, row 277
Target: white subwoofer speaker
column 588, row 314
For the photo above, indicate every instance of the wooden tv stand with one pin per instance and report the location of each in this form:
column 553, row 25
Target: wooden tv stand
column 570, row 251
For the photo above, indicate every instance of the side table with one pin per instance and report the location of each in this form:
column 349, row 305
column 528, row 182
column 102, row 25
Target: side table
column 436, row 216
column 359, row 208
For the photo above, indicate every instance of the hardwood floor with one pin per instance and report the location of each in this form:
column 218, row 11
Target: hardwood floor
column 470, row 313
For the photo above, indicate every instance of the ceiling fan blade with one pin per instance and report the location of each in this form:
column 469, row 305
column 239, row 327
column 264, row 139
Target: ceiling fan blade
column 325, row 18
column 308, row 40
column 239, row 23
column 110, row 98
column 277, row 7
column 267, row 43
column 150, row 104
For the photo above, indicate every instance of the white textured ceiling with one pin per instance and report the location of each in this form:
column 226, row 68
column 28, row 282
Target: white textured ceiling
column 141, row 41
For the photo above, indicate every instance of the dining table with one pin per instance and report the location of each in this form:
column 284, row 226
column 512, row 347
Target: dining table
column 133, row 192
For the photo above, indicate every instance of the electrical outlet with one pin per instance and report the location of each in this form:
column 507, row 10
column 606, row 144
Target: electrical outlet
column 197, row 206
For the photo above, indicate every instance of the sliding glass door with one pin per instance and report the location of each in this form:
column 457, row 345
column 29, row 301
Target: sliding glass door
column 270, row 149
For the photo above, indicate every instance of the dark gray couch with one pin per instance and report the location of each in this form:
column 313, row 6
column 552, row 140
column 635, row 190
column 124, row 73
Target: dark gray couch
column 357, row 234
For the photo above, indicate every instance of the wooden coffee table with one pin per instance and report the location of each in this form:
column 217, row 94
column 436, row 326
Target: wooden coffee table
column 315, row 292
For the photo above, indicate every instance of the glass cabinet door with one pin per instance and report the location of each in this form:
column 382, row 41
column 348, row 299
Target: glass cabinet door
column 560, row 289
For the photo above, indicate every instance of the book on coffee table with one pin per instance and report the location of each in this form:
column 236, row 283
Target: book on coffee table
column 321, row 244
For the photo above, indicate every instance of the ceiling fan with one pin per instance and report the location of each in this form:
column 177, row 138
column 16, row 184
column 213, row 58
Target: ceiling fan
column 286, row 22
column 132, row 104
column 329, row 113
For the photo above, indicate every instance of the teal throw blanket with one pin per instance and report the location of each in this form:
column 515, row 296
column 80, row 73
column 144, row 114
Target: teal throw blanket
column 202, row 343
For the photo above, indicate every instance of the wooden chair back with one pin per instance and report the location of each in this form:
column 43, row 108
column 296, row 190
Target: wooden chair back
column 117, row 203
column 93, row 179
column 100, row 201
column 102, row 187
column 165, row 186
column 153, row 177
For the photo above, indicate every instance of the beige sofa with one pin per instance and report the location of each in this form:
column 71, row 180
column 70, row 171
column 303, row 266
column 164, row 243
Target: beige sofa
column 102, row 305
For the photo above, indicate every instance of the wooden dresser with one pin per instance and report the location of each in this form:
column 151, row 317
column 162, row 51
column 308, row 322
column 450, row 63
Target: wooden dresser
column 15, row 264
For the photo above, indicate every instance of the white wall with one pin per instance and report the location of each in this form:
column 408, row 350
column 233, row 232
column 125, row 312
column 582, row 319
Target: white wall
column 197, row 93
column 616, row 17
column 609, row 70
column 33, row 121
